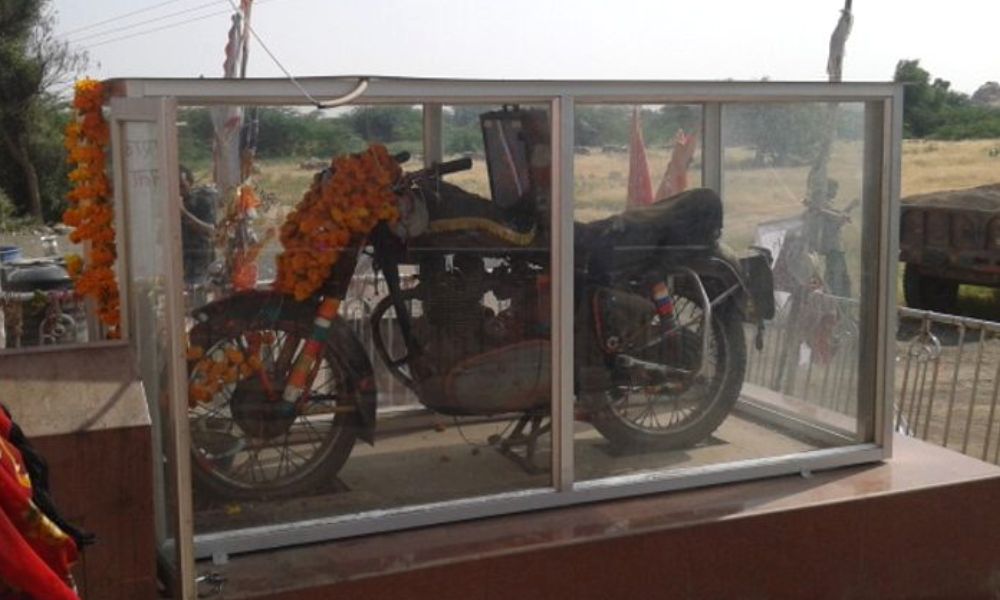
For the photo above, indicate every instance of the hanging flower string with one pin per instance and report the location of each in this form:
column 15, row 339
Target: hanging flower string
column 336, row 208
column 90, row 210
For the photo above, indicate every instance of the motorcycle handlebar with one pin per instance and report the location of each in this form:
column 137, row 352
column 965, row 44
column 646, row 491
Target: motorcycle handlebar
column 435, row 171
column 452, row 166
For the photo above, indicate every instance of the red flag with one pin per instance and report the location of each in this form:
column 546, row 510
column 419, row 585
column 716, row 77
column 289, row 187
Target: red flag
column 640, row 187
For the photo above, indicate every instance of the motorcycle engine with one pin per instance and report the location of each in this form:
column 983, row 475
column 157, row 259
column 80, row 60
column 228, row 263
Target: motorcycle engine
column 473, row 323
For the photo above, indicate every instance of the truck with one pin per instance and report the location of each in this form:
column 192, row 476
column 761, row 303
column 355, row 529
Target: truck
column 949, row 238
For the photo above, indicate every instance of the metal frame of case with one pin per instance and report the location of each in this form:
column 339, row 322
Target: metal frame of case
column 882, row 130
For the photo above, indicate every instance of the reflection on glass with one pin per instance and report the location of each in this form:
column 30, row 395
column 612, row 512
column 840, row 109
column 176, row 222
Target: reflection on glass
column 671, row 324
column 793, row 181
column 148, row 253
column 332, row 304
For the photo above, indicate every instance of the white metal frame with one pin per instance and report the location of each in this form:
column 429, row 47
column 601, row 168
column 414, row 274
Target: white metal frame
column 161, row 112
column 883, row 107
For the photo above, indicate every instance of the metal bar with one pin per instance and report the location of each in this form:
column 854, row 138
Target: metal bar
column 930, row 400
column 563, row 466
column 918, row 401
column 177, row 352
column 414, row 90
column 826, row 380
column 433, row 151
column 975, row 388
column 993, row 408
column 706, row 333
column 954, row 385
column 996, row 453
column 880, row 207
column 843, row 377
column 779, row 336
column 121, row 224
column 808, row 382
column 902, row 390
column 711, row 147
column 991, row 326
column 124, row 111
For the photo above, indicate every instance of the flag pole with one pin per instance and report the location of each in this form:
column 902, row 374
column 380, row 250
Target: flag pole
column 245, row 52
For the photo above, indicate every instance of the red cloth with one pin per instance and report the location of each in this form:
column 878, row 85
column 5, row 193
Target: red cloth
column 35, row 556
column 640, row 186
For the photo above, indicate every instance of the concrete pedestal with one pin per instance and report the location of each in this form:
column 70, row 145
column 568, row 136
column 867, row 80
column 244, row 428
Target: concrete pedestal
column 922, row 525
column 85, row 411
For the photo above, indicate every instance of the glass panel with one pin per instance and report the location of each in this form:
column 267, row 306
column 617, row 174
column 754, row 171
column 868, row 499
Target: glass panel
column 365, row 337
column 666, row 364
column 148, row 256
column 794, row 177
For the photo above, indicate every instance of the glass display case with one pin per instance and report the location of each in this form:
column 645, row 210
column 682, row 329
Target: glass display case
column 437, row 300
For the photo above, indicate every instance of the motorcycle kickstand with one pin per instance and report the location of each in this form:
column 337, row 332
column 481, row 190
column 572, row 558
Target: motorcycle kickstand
column 517, row 438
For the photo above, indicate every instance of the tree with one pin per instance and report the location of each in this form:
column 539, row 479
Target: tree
column 386, row 123
column 988, row 94
column 781, row 135
column 32, row 60
column 924, row 101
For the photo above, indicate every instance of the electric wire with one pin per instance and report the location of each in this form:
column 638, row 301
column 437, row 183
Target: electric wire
column 118, row 18
column 362, row 84
column 167, row 26
column 147, row 21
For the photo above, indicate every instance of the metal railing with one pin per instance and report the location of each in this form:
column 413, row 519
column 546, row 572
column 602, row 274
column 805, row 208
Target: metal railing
column 947, row 378
column 948, row 381
column 810, row 352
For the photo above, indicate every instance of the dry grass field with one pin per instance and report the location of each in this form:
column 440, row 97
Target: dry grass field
column 752, row 195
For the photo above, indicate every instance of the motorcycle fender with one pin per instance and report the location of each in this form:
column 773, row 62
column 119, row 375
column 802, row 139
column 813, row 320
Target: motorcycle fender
column 268, row 305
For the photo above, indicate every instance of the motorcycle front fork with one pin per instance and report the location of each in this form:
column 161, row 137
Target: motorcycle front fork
column 303, row 370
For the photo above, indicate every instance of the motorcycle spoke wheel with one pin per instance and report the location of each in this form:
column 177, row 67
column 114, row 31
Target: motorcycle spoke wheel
column 662, row 408
column 685, row 406
column 247, row 441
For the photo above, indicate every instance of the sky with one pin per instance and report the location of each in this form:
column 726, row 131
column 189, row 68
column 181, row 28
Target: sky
column 541, row 39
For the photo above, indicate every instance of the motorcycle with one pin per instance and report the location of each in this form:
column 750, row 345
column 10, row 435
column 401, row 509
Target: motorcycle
column 659, row 326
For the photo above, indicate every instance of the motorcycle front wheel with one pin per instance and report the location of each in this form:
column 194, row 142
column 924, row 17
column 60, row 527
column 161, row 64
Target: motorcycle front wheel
column 636, row 416
column 246, row 442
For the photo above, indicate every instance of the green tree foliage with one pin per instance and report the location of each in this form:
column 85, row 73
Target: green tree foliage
column 780, row 134
column 461, row 133
column 281, row 133
column 31, row 61
column 385, row 123
column 931, row 109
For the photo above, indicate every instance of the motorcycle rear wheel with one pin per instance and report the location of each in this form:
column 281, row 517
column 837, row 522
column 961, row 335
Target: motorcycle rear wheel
column 638, row 418
column 248, row 444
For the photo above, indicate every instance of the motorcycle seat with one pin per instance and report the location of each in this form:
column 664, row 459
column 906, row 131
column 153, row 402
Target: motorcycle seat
column 690, row 218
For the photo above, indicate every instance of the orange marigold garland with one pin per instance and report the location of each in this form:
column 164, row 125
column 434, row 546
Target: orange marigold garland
column 334, row 210
column 225, row 366
column 90, row 212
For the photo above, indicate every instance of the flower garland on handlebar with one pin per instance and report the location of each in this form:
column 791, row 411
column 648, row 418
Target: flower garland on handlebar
column 337, row 207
